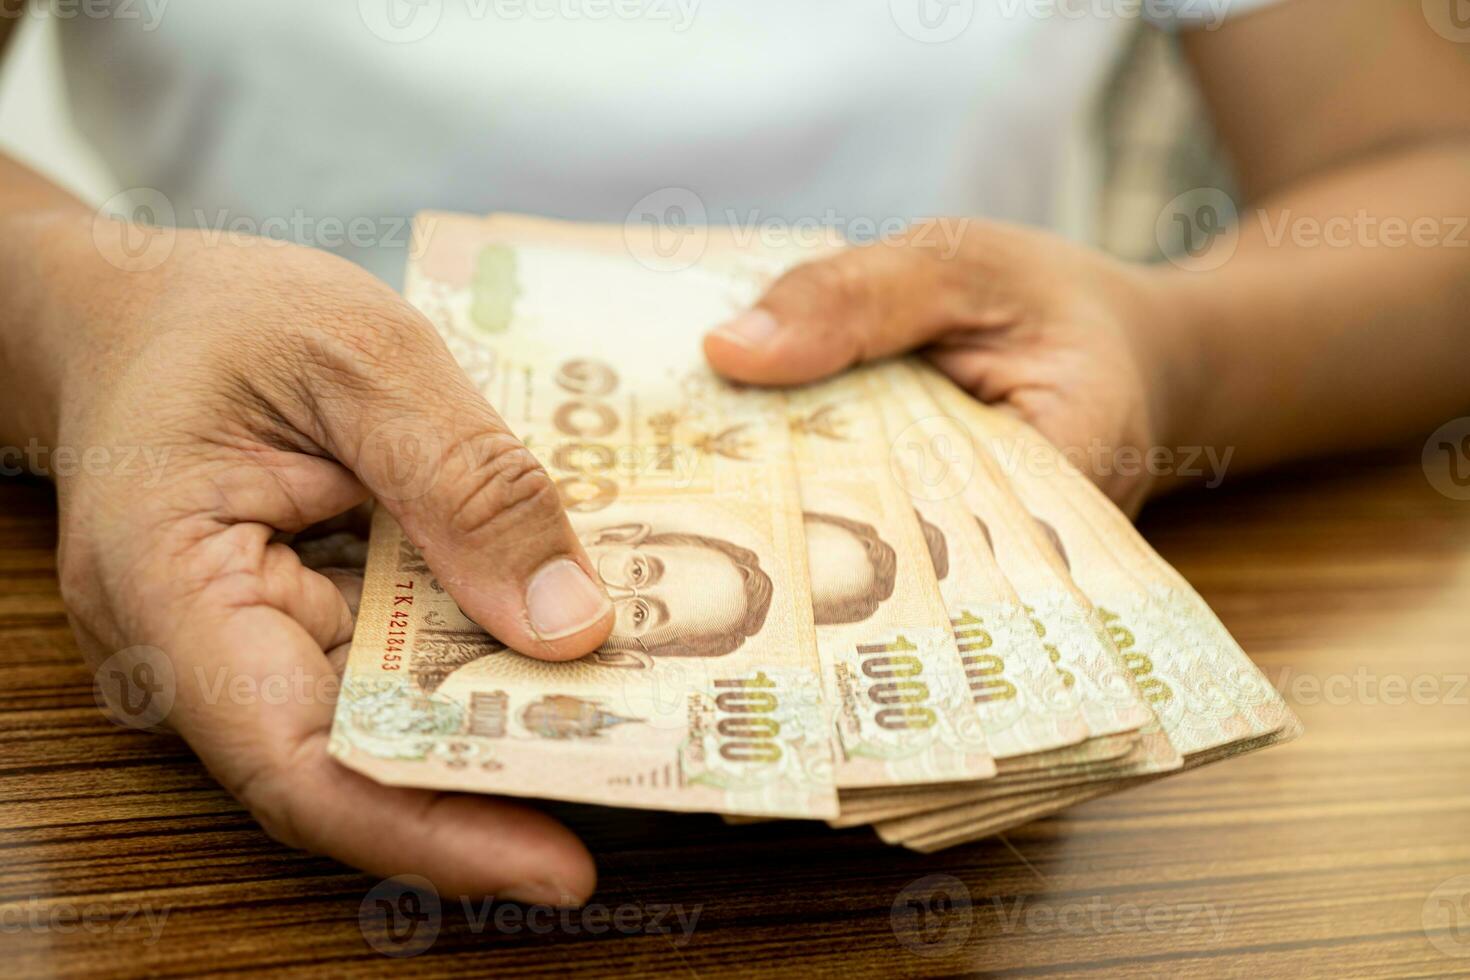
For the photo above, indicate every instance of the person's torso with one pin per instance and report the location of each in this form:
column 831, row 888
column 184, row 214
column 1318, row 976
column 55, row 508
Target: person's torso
column 334, row 121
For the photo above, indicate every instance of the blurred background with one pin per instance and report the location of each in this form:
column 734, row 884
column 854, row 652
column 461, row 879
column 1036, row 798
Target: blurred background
column 1148, row 140
column 34, row 124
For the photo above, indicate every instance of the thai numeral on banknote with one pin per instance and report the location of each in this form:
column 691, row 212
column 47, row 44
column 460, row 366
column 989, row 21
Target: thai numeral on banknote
column 1055, row 655
column 585, row 417
column 1153, row 688
column 894, row 667
column 984, row 671
column 745, row 706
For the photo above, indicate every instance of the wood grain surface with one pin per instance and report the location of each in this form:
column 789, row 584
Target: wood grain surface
column 1339, row 855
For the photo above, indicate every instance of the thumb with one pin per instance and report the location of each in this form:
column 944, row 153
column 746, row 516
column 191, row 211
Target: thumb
column 479, row 506
column 824, row 316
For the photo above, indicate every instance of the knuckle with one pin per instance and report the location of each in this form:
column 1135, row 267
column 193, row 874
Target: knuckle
column 358, row 341
column 509, row 489
column 852, row 304
column 989, row 247
column 832, row 280
column 822, row 295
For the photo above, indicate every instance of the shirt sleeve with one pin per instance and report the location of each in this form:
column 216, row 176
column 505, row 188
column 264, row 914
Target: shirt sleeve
column 1184, row 15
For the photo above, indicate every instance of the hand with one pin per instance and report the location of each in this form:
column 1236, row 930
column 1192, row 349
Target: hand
column 1058, row 334
column 271, row 388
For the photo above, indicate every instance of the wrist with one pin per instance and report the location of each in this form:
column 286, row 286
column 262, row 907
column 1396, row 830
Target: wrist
column 51, row 274
column 1170, row 339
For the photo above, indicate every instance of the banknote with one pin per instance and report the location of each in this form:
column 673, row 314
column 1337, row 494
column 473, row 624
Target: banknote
column 948, row 467
column 1109, row 693
column 708, row 695
column 870, row 600
column 944, row 818
column 1202, row 686
column 1165, row 743
column 1072, row 632
column 985, row 818
column 996, row 818
column 1132, row 757
column 901, row 702
column 1024, row 701
column 894, row 679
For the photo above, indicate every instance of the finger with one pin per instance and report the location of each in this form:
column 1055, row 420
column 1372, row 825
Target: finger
column 859, row 305
column 990, row 375
column 310, row 598
column 475, row 501
column 1003, row 382
column 279, row 767
column 271, row 751
column 348, row 582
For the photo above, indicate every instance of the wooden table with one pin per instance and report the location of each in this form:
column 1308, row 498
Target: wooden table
column 1341, row 854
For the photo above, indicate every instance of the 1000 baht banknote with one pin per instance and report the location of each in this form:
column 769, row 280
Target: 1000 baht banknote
column 708, row 695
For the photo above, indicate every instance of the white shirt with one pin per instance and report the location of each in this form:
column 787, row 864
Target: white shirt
column 329, row 120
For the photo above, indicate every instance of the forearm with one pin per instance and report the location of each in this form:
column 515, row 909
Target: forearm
column 41, row 233
column 1341, row 321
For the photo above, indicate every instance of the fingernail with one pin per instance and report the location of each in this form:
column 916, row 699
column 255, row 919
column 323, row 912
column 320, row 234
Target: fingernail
column 753, row 329
column 543, row 893
column 562, row 600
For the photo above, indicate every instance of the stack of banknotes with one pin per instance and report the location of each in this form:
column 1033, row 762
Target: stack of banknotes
column 867, row 601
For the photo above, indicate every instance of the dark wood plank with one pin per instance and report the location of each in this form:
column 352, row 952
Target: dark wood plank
column 1326, row 857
